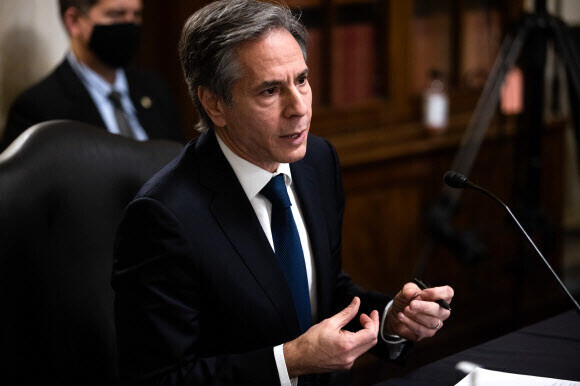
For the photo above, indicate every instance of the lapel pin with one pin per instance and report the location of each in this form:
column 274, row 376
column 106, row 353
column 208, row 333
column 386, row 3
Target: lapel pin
column 146, row 102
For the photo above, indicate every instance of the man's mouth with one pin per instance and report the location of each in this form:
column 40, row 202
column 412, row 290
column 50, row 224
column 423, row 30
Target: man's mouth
column 293, row 135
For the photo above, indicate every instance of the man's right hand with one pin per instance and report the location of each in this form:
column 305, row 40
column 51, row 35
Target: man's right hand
column 327, row 347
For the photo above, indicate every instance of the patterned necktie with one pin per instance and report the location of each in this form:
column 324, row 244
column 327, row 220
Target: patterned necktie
column 120, row 116
column 288, row 248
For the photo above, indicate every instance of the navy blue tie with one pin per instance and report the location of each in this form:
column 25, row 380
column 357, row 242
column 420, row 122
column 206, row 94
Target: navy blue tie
column 288, row 248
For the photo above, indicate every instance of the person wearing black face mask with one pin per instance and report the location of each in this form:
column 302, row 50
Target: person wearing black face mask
column 115, row 44
column 93, row 84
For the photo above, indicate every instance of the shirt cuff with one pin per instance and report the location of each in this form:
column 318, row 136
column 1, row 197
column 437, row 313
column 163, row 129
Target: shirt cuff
column 281, row 366
column 389, row 338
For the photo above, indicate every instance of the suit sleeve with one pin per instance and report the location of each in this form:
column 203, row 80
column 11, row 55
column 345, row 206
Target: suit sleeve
column 159, row 299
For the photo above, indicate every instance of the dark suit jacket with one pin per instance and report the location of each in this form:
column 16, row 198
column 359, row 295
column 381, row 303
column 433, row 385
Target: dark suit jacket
column 61, row 95
column 200, row 297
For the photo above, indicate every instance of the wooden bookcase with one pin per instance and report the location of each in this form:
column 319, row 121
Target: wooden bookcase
column 370, row 59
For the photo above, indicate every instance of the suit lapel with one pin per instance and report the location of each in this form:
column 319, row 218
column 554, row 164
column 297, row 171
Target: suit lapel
column 83, row 108
column 308, row 193
column 237, row 218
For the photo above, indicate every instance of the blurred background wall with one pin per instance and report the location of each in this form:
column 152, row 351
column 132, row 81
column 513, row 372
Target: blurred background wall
column 32, row 42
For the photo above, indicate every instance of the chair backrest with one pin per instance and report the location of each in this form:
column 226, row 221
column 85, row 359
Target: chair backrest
column 63, row 188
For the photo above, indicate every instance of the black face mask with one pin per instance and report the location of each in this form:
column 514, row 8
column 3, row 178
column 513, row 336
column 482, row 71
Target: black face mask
column 115, row 44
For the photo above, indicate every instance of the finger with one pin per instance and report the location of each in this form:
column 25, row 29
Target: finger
column 429, row 309
column 362, row 340
column 423, row 319
column 370, row 327
column 436, row 293
column 369, row 322
column 403, row 331
column 366, row 337
column 410, row 291
column 365, row 320
column 375, row 316
column 361, row 349
column 418, row 329
column 345, row 316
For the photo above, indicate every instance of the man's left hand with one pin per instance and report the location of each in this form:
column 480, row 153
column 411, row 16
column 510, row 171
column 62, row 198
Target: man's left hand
column 414, row 315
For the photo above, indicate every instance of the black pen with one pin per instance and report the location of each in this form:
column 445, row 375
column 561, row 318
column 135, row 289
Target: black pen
column 424, row 285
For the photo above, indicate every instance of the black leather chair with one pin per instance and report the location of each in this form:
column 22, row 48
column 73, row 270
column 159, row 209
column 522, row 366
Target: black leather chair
column 63, row 188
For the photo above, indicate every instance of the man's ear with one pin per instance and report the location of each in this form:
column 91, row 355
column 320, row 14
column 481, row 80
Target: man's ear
column 71, row 18
column 213, row 106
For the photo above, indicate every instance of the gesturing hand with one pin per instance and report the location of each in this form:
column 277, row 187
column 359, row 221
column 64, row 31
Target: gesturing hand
column 414, row 314
column 327, row 347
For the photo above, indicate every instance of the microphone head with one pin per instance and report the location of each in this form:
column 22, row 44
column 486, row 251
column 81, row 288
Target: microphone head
column 455, row 180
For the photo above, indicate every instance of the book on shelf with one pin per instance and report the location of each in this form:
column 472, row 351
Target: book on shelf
column 431, row 48
column 353, row 63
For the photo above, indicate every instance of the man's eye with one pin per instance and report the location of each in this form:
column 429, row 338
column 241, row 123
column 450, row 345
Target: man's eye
column 269, row 91
column 116, row 14
column 302, row 79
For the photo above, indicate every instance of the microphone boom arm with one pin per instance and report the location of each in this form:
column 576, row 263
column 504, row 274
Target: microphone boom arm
column 468, row 184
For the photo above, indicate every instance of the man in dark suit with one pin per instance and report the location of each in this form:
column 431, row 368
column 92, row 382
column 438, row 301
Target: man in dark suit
column 103, row 36
column 228, row 262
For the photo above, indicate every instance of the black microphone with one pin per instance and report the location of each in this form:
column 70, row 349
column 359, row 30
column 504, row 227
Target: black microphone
column 459, row 181
column 456, row 180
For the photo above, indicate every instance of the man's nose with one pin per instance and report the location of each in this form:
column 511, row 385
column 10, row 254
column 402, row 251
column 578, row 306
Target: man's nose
column 296, row 104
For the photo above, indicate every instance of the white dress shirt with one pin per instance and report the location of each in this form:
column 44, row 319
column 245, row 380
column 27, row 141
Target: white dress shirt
column 253, row 179
column 99, row 90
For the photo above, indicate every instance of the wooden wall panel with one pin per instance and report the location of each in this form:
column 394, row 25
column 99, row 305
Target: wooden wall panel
column 379, row 227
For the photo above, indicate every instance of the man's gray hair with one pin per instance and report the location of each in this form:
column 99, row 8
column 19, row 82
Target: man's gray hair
column 210, row 39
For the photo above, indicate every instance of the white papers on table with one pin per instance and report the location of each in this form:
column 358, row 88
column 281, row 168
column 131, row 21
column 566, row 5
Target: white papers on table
column 484, row 377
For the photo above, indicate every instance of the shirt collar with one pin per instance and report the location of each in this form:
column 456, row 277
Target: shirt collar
column 252, row 178
column 93, row 80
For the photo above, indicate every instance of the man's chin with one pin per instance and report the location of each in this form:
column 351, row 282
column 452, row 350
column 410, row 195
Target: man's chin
column 295, row 155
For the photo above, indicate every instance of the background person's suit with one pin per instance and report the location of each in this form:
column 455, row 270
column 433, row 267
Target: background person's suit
column 62, row 95
column 200, row 297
